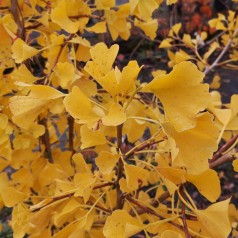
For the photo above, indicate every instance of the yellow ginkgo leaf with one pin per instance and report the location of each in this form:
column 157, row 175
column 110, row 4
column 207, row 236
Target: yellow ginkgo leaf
column 150, row 27
column 84, row 183
column 70, row 207
column 170, row 234
column 106, row 161
column 177, row 176
column 143, row 9
column 169, row 2
column 120, row 225
column 22, row 74
column 44, row 92
column 91, row 138
column 102, row 60
column 5, row 47
column 116, row 116
column 26, row 109
column 190, row 142
column 79, row 106
column 207, row 183
column 135, row 176
column 104, row 4
column 117, row 82
column 235, row 165
column 215, row 220
column 64, row 74
column 80, row 164
column 11, row 196
column 182, row 94
column 59, row 16
column 22, row 51
column 99, row 27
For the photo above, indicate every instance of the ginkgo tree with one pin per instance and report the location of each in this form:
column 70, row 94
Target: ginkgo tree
column 87, row 150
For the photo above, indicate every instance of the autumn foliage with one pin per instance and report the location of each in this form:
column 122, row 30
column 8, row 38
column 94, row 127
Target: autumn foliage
column 86, row 149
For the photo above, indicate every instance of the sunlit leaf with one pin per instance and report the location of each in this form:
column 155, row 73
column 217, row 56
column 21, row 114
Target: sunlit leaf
column 120, row 225
column 190, row 142
column 212, row 189
column 106, row 161
column 59, row 15
column 115, row 116
column 22, row 51
column 215, row 219
column 182, row 94
column 102, row 60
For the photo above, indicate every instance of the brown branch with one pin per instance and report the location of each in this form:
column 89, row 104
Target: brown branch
column 71, row 134
column 185, row 225
column 224, row 148
column 225, row 49
column 16, row 13
column 46, row 140
column 222, row 160
column 149, row 210
column 120, row 168
column 51, row 200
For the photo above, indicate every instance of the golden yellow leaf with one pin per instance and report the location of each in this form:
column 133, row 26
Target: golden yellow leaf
column 235, row 165
column 22, row 51
column 190, row 142
column 104, row 4
column 216, row 82
column 99, row 27
column 169, row 2
column 22, row 106
column 143, row 9
column 5, row 47
column 215, row 220
column 182, row 94
column 177, row 176
column 70, row 207
column 175, row 29
column 80, row 164
column 135, row 176
column 116, row 116
column 84, row 184
column 64, row 73
column 22, row 74
column 149, row 27
column 44, row 92
column 102, row 60
column 106, row 161
column 59, row 16
column 207, row 183
column 79, row 106
column 121, row 225
column 170, row 234
column 11, row 196
column 91, row 138
column 166, row 43
column 117, row 82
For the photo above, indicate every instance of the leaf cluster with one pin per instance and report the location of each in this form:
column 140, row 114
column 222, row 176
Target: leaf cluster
column 86, row 149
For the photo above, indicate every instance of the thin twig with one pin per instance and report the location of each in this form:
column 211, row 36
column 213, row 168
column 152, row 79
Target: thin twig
column 46, row 140
column 71, row 134
column 225, row 49
column 185, row 225
column 224, row 148
column 120, row 168
column 149, row 210
column 222, row 160
column 51, row 200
